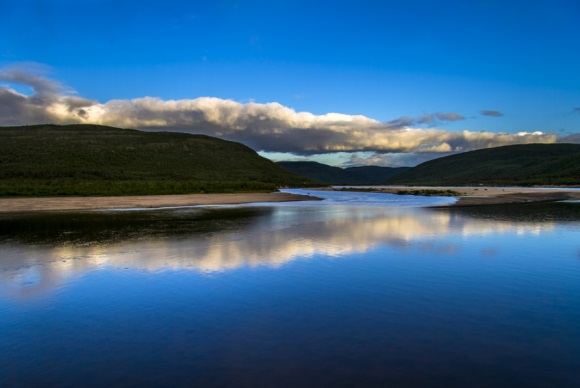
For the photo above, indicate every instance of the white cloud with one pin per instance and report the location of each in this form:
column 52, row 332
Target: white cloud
column 492, row 113
column 269, row 127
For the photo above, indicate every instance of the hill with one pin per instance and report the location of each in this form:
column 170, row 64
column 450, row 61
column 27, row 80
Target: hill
column 515, row 165
column 46, row 160
column 322, row 173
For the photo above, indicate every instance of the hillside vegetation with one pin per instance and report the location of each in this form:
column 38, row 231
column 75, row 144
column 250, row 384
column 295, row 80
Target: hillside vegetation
column 515, row 165
column 322, row 173
column 47, row 160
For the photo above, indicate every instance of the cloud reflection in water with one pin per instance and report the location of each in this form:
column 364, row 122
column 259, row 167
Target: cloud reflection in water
column 35, row 259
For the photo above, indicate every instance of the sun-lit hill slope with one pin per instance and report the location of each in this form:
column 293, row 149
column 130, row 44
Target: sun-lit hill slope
column 96, row 160
column 322, row 173
column 518, row 165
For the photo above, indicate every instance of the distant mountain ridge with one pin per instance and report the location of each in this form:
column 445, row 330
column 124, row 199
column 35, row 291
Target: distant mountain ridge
column 329, row 175
column 514, row 165
column 47, row 160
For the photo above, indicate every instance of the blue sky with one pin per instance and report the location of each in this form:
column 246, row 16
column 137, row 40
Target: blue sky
column 397, row 63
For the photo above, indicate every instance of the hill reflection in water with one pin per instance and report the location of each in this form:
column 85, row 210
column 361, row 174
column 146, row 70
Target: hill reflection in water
column 41, row 251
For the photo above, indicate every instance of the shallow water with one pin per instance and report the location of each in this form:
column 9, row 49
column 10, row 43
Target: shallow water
column 359, row 290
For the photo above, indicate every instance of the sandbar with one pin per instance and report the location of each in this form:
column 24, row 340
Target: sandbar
column 472, row 196
column 10, row 205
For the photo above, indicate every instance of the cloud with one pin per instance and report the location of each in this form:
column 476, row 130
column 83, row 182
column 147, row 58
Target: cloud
column 574, row 138
column 48, row 95
column 491, row 113
column 449, row 117
column 269, row 127
column 45, row 90
column 392, row 159
column 427, row 119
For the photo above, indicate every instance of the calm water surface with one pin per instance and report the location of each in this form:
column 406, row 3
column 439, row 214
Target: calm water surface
column 359, row 290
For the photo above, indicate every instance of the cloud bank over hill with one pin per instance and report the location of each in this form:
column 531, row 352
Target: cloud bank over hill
column 270, row 127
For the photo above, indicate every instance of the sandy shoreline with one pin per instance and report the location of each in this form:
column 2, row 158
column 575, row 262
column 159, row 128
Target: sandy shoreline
column 10, row 205
column 514, row 196
column 469, row 196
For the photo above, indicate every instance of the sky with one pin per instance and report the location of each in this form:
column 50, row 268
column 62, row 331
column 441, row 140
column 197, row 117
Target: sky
column 391, row 83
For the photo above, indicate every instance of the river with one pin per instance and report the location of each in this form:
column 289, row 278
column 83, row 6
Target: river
column 360, row 289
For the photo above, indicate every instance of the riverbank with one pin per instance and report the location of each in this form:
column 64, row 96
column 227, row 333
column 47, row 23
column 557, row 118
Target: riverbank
column 467, row 196
column 473, row 196
column 518, row 197
column 10, row 205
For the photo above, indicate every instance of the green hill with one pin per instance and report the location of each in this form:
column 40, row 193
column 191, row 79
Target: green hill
column 515, row 165
column 322, row 173
column 46, row 160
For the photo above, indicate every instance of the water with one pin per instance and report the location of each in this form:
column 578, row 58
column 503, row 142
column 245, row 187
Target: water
column 358, row 290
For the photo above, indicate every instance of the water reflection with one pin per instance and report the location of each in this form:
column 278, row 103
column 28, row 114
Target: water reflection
column 521, row 213
column 39, row 252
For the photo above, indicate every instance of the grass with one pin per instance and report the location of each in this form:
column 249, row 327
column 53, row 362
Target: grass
column 517, row 165
column 85, row 160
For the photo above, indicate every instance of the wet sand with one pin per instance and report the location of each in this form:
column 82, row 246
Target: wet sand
column 9, row 205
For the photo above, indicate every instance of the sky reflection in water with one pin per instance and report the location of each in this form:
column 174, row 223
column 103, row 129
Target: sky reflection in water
column 321, row 293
